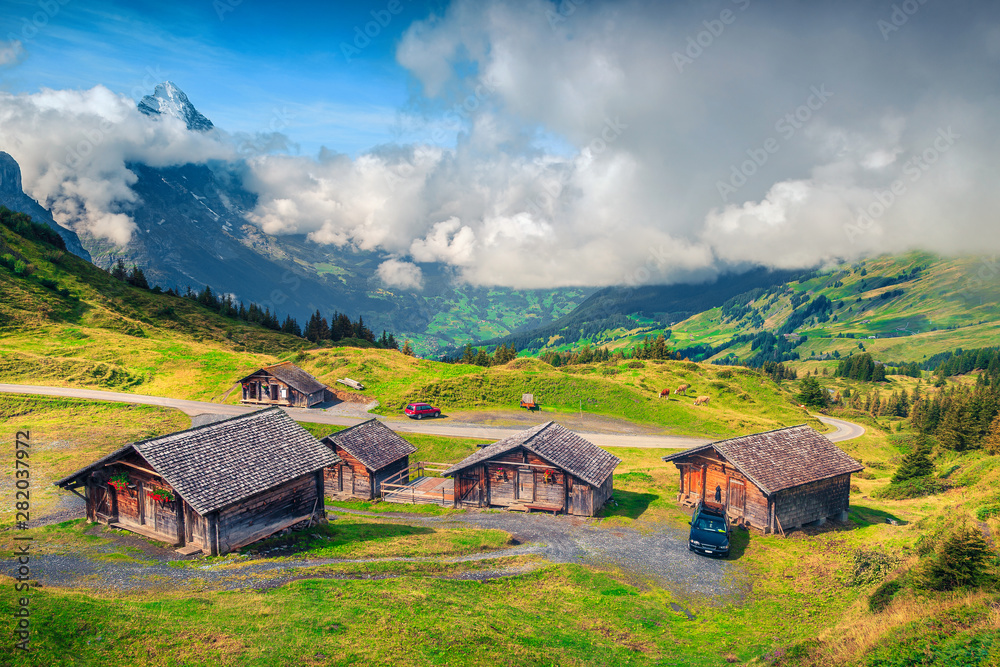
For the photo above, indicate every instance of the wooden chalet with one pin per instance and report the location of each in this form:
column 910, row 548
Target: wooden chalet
column 370, row 453
column 212, row 488
column 547, row 467
column 283, row 384
column 774, row 481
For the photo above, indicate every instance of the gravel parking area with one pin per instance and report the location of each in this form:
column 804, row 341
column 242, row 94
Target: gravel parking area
column 658, row 555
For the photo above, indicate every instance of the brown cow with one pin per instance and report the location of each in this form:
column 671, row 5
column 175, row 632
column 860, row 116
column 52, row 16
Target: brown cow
column 681, row 389
column 665, row 393
column 702, row 399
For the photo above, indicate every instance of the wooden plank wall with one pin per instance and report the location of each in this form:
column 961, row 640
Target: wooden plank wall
column 136, row 508
column 354, row 477
column 601, row 494
column 262, row 514
column 465, row 482
column 700, row 475
column 501, row 481
column 385, row 473
column 551, row 493
column 826, row 498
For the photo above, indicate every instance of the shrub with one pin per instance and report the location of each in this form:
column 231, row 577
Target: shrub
column 988, row 510
column 855, row 488
column 911, row 488
column 869, row 566
column 635, row 364
column 882, row 596
column 960, row 561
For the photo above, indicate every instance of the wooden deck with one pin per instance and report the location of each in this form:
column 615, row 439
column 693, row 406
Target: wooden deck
column 424, row 490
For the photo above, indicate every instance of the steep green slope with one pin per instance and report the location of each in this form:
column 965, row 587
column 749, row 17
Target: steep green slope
column 900, row 308
column 69, row 323
column 64, row 321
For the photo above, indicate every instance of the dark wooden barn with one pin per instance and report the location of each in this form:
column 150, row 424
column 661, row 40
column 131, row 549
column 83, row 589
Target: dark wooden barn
column 547, row 467
column 283, row 384
column 774, row 481
column 212, row 488
column 370, row 454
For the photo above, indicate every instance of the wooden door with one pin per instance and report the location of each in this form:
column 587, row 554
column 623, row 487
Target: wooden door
column 526, row 485
column 193, row 526
column 737, row 497
column 694, row 482
column 347, row 479
column 149, row 509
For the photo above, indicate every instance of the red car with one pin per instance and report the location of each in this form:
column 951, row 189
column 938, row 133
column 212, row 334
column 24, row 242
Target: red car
column 421, row 410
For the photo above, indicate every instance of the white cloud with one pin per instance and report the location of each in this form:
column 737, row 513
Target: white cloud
column 406, row 275
column 578, row 154
column 11, row 52
column 73, row 146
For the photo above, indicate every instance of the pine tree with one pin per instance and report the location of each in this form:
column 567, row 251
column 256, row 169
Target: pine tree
column 407, row 350
column 812, row 394
column 956, row 425
column 119, row 272
column 468, row 354
column 915, row 464
column 136, row 278
column 991, row 443
column 961, row 561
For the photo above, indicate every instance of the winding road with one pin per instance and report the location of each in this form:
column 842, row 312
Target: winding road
column 340, row 416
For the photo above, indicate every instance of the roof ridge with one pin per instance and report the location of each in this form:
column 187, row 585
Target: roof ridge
column 538, row 428
column 211, row 424
column 773, row 430
column 351, row 428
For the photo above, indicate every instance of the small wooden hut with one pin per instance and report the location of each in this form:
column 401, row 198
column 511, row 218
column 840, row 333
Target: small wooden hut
column 774, row 481
column 213, row 488
column 370, row 453
column 283, row 384
column 547, row 467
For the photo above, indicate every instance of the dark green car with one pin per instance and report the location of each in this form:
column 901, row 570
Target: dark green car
column 709, row 531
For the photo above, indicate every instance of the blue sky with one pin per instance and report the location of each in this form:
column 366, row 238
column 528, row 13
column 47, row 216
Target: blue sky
column 243, row 65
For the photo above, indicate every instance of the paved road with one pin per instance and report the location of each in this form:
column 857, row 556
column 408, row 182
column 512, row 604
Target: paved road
column 350, row 416
column 845, row 430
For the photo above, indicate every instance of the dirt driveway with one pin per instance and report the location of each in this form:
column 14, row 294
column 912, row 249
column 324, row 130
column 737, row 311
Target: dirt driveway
column 658, row 556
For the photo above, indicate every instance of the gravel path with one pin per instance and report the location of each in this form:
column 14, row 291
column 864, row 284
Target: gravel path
column 659, row 555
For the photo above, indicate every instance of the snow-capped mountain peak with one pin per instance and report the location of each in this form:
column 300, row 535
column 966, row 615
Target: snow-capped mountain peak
column 167, row 99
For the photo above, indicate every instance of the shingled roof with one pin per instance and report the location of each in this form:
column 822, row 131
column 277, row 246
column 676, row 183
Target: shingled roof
column 783, row 458
column 555, row 444
column 216, row 465
column 293, row 376
column 372, row 443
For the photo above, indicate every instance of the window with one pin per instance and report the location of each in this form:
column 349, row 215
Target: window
column 711, row 525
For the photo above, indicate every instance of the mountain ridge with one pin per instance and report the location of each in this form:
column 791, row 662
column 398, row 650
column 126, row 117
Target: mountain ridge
column 13, row 197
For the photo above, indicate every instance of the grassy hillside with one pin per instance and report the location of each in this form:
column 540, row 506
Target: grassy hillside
column 800, row 600
column 902, row 308
column 70, row 324
column 742, row 401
